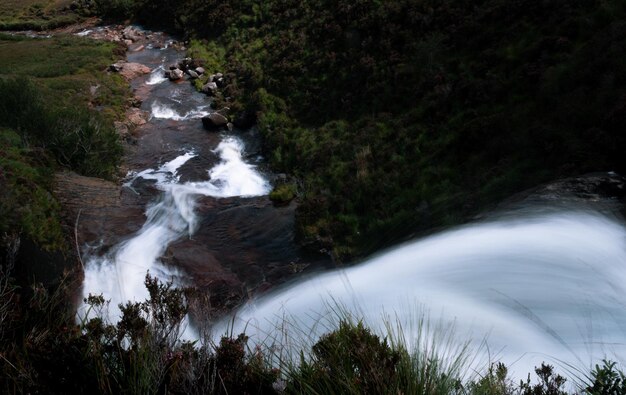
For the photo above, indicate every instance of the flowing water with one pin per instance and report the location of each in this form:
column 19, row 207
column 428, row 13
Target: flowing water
column 537, row 287
column 549, row 287
column 207, row 220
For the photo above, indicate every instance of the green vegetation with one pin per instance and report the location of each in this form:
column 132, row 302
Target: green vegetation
column 402, row 116
column 283, row 193
column 42, row 349
column 36, row 14
column 48, row 89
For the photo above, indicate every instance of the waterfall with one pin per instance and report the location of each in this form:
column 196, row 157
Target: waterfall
column 548, row 287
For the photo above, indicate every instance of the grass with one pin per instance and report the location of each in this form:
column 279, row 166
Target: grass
column 36, row 14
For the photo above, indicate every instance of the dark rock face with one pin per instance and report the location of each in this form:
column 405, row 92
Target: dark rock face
column 601, row 192
column 98, row 209
column 214, row 121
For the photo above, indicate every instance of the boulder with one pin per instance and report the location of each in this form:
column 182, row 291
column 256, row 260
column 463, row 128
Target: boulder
column 200, row 70
column 176, row 74
column 192, row 74
column 130, row 70
column 209, row 88
column 215, row 121
column 130, row 33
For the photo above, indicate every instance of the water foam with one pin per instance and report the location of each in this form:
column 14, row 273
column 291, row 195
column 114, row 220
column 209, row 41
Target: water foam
column 543, row 288
column 157, row 76
column 162, row 111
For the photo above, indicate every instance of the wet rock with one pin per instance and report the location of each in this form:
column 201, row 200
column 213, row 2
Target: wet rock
column 210, row 88
column 176, row 74
column 93, row 205
column 200, row 70
column 214, row 121
column 192, row 74
column 601, row 192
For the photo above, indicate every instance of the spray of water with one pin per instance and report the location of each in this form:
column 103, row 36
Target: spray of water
column 119, row 276
column 157, row 76
column 162, row 111
column 550, row 287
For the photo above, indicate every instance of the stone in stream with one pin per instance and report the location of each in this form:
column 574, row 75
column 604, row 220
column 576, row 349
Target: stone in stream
column 192, row 74
column 130, row 70
column 215, row 121
column 200, row 70
column 176, row 74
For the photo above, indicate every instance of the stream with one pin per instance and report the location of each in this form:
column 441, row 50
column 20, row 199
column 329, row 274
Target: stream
column 543, row 286
column 194, row 207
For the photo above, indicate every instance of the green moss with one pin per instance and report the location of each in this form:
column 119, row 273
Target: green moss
column 283, row 193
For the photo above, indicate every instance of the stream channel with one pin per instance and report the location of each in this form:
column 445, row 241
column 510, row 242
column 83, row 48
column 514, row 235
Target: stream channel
column 194, row 207
column 526, row 287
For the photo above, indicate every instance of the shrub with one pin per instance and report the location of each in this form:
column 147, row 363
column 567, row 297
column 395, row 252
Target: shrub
column 349, row 360
column 607, row 380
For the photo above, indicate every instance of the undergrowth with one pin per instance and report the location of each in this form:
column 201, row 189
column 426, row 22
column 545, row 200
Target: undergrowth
column 43, row 349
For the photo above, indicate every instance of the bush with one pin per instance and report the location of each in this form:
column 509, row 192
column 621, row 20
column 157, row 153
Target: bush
column 349, row 360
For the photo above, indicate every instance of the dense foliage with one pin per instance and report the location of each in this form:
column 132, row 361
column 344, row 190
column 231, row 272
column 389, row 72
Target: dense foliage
column 400, row 116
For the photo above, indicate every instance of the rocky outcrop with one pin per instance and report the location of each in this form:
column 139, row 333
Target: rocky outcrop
column 600, row 192
column 136, row 116
column 130, row 70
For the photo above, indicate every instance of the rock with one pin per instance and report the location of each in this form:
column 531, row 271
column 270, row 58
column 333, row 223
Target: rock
column 139, row 48
column 229, row 126
column 173, row 67
column 219, row 75
column 130, row 70
column 209, row 88
column 176, row 74
column 220, row 82
column 122, row 130
column 167, row 73
column 214, row 121
column 200, row 70
column 130, row 33
column 192, row 74
column 128, row 42
column 136, row 117
column 115, row 67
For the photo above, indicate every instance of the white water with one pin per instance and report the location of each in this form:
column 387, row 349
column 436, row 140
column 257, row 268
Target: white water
column 162, row 111
column 157, row 76
column 545, row 288
column 119, row 276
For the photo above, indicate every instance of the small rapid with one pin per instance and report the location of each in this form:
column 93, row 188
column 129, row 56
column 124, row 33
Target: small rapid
column 119, row 275
column 537, row 288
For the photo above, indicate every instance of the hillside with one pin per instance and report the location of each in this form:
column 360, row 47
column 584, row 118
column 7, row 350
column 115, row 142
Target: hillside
column 399, row 117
